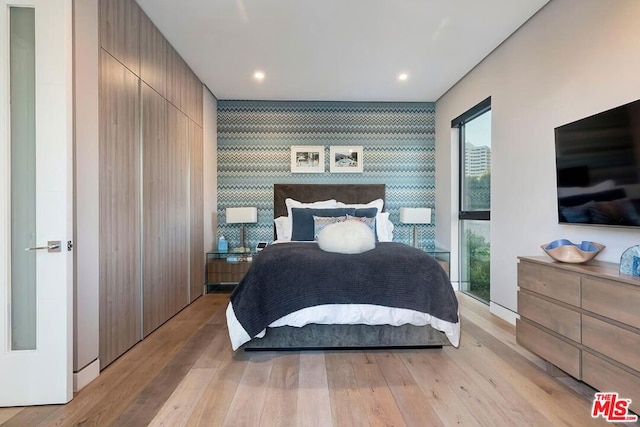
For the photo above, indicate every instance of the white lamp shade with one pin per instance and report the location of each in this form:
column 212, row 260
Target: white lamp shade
column 415, row 215
column 241, row 215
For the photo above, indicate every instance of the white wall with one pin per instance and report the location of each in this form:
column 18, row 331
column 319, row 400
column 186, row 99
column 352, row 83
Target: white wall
column 210, row 173
column 572, row 59
column 86, row 233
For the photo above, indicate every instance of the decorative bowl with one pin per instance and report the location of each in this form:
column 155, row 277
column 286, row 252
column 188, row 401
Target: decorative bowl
column 564, row 250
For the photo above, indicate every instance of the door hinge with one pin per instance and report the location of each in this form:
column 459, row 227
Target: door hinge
column 69, row 245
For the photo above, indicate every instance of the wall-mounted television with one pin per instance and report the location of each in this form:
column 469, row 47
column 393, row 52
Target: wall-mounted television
column 598, row 168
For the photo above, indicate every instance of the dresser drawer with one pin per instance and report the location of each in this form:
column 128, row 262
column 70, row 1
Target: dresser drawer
column 619, row 344
column 559, row 319
column 551, row 282
column 604, row 376
column 611, row 299
column 558, row 352
column 221, row 271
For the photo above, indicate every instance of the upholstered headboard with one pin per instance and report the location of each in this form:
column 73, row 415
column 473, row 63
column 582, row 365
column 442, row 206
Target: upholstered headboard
column 346, row 193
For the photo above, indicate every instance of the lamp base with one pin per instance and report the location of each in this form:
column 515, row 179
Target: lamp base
column 415, row 236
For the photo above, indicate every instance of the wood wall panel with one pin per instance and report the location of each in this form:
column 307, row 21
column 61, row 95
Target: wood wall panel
column 177, row 71
column 165, row 206
column 119, row 209
column 153, row 55
column 196, row 223
column 119, row 31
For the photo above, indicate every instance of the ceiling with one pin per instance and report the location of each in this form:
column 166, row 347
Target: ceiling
column 336, row 50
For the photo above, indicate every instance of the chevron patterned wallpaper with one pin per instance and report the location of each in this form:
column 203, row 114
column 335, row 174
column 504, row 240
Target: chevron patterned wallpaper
column 254, row 140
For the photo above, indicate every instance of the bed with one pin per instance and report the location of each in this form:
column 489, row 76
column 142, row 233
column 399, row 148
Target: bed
column 392, row 296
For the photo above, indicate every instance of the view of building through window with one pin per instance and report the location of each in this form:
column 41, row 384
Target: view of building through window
column 475, row 203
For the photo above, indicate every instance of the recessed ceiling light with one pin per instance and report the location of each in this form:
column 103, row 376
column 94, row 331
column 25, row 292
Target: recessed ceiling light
column 258, row 75
column 403, row 76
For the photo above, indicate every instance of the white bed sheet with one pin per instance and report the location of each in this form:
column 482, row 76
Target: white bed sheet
column 346, row 314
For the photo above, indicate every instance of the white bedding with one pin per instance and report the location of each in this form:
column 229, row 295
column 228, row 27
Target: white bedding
column 346, row 314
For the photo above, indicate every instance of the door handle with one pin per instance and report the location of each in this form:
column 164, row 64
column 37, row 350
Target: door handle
column 52, row 246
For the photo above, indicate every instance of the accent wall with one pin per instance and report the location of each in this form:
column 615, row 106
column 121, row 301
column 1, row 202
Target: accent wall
column 254, row 152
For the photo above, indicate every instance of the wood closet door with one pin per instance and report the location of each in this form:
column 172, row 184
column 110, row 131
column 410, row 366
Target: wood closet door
column 197, row 253
column 165, row 140
column 119, row 213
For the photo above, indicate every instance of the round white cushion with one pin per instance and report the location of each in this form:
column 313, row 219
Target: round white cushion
column 348, row 237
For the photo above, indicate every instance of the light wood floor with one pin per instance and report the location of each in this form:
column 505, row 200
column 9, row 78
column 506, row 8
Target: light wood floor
column 186, row 374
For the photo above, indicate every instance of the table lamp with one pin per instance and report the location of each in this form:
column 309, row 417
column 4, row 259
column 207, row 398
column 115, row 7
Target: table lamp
column 242, row 216
column 415, row 216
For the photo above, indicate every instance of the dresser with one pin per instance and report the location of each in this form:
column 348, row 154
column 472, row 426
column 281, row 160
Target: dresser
column 583, row 319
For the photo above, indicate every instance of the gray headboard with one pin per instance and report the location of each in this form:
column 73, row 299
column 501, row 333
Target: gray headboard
column 347, row 193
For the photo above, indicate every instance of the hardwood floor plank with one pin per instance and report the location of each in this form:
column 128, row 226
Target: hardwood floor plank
column 248, row 402
column 376, row 396
column 32, row 416
column 539, row 387
column 446, row 404
column 212, row 408
column 281, row 401
column 347, row 407
column 149, row 400
column 314, row 403
column 468, row 391
column 503, row 392
column 8, row 413
column 181, row 403
column 409, row 397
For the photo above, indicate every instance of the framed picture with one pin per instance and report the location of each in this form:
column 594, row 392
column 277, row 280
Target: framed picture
column 345, row 159
column 307, row 159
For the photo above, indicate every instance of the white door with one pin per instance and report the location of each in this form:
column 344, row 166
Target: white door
column 36, row 300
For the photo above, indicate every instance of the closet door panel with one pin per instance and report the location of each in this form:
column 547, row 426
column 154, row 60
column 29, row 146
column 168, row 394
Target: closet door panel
column 165, row 206
column 153, row 55
column 119, row 35
column 119, row 215
column 155, row 155
column 196, row 214
column 178, row 213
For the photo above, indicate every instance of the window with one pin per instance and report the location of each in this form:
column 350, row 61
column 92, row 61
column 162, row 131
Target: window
column 474, row 212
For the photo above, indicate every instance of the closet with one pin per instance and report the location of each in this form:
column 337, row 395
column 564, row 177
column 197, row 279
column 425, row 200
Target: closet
column 150, row 179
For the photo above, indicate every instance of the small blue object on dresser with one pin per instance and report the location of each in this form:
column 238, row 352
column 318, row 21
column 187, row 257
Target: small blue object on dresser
column 223, row 245
column 630, row 261
column 564, row 250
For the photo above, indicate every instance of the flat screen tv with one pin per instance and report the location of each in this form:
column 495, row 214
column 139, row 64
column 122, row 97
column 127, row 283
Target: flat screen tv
column 598, row 168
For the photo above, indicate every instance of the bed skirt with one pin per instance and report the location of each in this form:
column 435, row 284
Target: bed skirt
column 329, row 337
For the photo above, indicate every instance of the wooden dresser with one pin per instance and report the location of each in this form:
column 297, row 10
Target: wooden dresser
column 583, row 319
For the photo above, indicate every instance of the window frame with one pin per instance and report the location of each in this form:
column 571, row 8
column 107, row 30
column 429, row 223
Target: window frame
column 459, row 123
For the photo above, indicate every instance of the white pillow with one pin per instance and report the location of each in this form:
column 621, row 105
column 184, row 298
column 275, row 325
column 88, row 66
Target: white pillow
column 348, row 237
column 384, row 227
column 314, row 205
column 283, row 228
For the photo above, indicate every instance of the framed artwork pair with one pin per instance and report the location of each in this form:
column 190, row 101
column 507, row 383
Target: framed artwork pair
column 342, row 159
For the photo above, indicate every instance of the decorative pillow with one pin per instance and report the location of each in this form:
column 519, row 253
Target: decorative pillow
column 348, row 237
column 290, row 203
column 320, row 222
column 382, row 233
column 283, row 228
column 302, row 228
column 369, row 221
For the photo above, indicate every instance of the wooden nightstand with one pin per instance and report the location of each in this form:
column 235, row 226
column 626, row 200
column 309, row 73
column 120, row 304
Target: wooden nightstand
column 224, row 270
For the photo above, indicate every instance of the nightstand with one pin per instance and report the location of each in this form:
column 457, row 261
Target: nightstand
column 443, row 257
column 224, row 270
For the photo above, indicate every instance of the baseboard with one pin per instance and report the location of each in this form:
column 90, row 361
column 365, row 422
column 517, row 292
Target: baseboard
column 503, row 313
column 85, row 375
